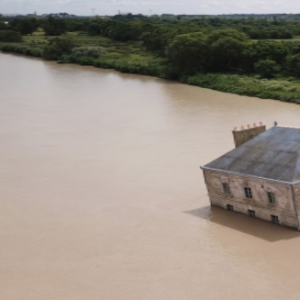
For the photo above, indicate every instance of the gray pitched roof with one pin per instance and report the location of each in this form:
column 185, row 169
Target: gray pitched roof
column 274, row 154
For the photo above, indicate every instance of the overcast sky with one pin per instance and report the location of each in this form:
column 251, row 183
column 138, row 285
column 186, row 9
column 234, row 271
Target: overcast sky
column 146, row 7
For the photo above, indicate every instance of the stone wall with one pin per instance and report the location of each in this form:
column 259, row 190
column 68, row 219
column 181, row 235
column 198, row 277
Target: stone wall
column 296, row 190
column 284, row 206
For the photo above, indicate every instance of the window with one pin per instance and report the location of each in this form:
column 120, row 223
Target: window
column 271, row 197
column 251, row 213
column 229, row 207
column 226, row 188
column 274, row 219
column 248, row 192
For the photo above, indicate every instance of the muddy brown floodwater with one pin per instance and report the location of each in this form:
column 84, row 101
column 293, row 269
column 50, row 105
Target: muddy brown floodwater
column 102, row 197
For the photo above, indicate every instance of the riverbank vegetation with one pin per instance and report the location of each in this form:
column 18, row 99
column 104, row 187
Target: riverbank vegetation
column 254, row 56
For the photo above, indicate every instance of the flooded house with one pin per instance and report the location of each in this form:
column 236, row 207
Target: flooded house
column 261, row 176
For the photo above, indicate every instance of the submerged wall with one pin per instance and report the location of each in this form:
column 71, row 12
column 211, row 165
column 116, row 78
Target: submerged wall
column 284, row 206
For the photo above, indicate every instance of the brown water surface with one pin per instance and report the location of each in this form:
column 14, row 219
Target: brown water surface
column 102, row 197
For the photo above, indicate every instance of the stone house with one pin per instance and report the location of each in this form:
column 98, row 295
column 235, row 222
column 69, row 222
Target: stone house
column 261, row 176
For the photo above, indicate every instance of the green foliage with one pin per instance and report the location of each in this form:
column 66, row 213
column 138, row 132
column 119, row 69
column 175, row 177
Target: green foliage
column 133, row 63
column 27, row 26
column 267, row 68
column 53, row 26
column 126, row 31
column 19, row 48
column 80, row 60
column 188, row 53
column 279, row 89
column 119, row 31
column 93, row 29
column 292, row 65
column 222, row 50
column 10, row 36
column 259, row 32
column 24, row 25
column 265, row 50
column 73, row 25
column 91, row 51
column 59, row 46
column 226, row 47
column 218, row 34
column 156, row 42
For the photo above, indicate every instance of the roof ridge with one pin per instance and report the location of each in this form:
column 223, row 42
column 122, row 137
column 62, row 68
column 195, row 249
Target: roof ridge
column 287, row 126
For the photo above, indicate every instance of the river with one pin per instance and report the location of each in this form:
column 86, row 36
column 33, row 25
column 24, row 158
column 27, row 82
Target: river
column 102, row 197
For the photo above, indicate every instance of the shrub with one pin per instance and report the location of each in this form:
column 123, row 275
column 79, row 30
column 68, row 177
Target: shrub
column 59, row 46
column 92, row 51
column 10, row 36
column 266, row 68
column 19, row 48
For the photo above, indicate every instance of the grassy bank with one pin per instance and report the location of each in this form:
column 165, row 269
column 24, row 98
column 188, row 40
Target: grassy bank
column 284, row 89
column 130, row 57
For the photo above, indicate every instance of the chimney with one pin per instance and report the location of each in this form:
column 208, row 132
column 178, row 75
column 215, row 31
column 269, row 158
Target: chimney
column 243, row 135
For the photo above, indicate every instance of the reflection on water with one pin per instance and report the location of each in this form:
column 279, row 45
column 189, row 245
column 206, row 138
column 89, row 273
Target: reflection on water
column 102, row 196
column 255, row 227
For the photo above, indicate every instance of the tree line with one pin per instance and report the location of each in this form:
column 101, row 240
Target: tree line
column 130, row 27
column 187, row 45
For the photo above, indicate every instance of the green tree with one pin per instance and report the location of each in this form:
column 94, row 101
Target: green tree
column 226, row 54
column 94, row 28
column 156, row 41
column 54, row 26
column 59, row 46
column 292, row 65
column 265, row 50
column 26, row 26
column 215, row 35
column 267, row 68
column 226, row 49
column 188, row 53
column 10, row 36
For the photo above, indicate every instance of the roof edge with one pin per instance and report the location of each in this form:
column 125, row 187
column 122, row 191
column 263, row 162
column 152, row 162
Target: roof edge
column 247, row 175
column 286, row 126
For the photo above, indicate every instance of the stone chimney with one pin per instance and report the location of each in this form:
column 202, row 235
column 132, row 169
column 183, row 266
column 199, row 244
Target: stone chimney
column 243, row 135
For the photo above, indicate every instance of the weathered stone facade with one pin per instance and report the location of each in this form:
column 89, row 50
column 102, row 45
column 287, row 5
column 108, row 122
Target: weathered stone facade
column 285, row 206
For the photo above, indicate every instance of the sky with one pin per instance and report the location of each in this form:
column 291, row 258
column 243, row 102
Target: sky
column 148, row 7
